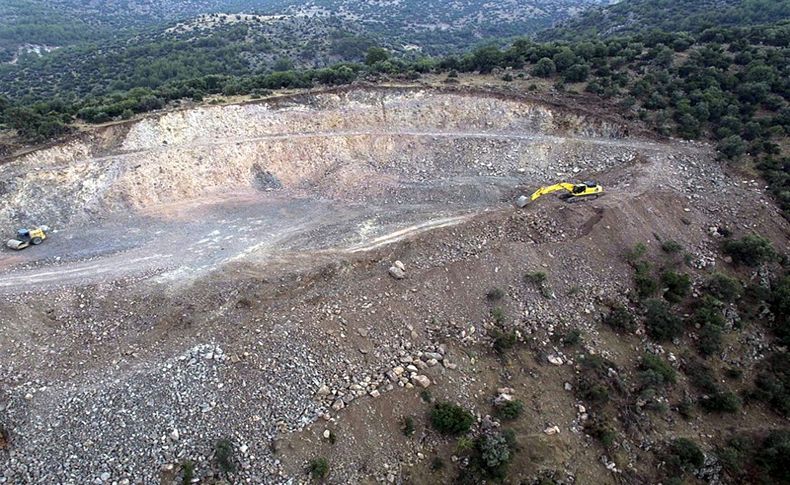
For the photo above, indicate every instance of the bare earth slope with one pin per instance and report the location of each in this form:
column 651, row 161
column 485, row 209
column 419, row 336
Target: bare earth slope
column 222, row 272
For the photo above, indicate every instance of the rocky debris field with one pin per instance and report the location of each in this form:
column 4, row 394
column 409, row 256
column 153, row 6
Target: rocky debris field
column 314, row 334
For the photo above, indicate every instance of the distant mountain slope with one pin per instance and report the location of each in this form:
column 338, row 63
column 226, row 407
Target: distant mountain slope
column 693, row 16
column 439, row 24
column 105, row 45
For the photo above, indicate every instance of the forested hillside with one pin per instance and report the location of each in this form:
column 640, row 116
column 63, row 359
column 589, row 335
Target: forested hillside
column 692, row 16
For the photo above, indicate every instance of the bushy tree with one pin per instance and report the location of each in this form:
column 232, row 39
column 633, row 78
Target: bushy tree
column 544, row 68
column 375, row 55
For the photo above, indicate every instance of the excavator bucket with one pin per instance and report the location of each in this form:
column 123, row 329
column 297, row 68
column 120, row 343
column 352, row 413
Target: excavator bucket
column 522, row 201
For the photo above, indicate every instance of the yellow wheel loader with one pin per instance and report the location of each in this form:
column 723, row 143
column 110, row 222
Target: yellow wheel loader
column 573, row 192
column 26, row 237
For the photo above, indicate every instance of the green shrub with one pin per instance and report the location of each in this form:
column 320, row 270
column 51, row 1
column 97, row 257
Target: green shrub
column 655, row 372
column 187, row 472
column 449, row 418
column 709, row 342
column 711, row 321
column 572, row 338
column 318, row 468
column 408, row 426
column 601, row 430
column 495, row 294
column 620, row 318
column 774, row 455
column 426, row 395
column 503, row 341
column 721, row 402
column 772, row 384
column 464, row 444
column 662, row 325
column 637, row 252
column 723, row 287
column 498, row 314
column 779, row 301
column 677, row 286
column 683, row 455
column 510, row 410
column 535, row 278
column 646, row 285
column 223, row 453
column 593, row 382
column 493, row 453
column 671, row 247
column 701, row 376
column 757, row 459
column 751, row 250
column 733, row 373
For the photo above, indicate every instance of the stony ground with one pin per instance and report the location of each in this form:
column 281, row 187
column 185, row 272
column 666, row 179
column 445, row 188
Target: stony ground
column 318, row 263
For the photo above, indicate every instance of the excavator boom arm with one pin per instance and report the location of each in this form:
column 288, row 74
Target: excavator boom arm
column 551, row 188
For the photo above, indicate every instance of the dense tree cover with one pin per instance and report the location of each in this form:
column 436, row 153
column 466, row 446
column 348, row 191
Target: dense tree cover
column 691, row 16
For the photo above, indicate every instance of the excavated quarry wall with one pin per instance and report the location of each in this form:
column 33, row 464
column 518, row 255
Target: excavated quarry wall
column 336, row 145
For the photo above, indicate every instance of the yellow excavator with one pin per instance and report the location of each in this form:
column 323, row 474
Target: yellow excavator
column 26, row 237
column 573, row 192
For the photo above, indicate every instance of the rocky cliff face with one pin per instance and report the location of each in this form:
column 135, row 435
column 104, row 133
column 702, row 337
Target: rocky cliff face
column 335, row 145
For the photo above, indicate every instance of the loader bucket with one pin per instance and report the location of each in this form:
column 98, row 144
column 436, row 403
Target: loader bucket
column 15, row 244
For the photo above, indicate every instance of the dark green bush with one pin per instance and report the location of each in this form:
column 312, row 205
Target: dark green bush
column 779, row 301
column 772, row 384
column 223, row 453
column 655, row 372
column 677, row 285
column 495, row 294
column 709, row 342
column 408, row 426
column 723, row 287
column 662, row 325
column 757, row 459
column 498, row 314
column 620, row 318
column 503, row 341
column 572, row 338
column 751, row 250
column 601, row 430
column 683, row 455
column 318, row 468
column 721, row 402
column 535, row 278
column 510, row 410
column 449, row 418
column 636, row 252
column 594, row 381
column 671, row 247
column 701, row 376
column 187, row 472
column 646, row 285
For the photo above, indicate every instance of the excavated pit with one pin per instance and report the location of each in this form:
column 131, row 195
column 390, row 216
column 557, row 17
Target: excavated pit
column 319, row 171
